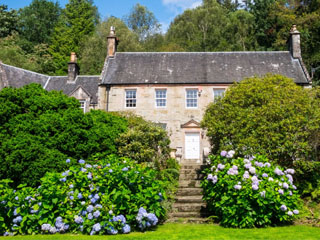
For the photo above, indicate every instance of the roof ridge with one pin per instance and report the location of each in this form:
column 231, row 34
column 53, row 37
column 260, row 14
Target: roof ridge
column 247, row 52
column 25, row 70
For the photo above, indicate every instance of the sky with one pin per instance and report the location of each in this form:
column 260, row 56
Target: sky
column 164, row 10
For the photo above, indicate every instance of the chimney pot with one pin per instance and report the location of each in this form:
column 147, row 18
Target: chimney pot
column 73, row 67
column 112, row 42
column 73, row 57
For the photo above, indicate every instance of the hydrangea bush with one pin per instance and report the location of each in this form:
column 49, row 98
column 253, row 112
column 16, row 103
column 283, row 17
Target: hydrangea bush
column 249, row 192
column 114, row 196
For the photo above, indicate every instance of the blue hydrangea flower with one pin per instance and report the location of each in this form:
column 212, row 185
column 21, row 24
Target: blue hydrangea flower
column 90, row 216
column 93, row 200
column 83, row 169
column 96, row 196
column 90, row 208
column 280, row 191
column 17, row 219
column 290, row 171
column 290, row 213
column 89, row 175
column 16, row 198
column 296, row 212
column 78, row 219
column 96, row 227
column 96, row 214
column 263, row 194
column 110, row 170
column 267, row 165
column 63, row 179
column 126, row 229
column 15, row 213
column 68, row 160
column 71, row 186
column 88, row 166
column 270, row 179
column 83, row 212
column 278, row 172
column 252, row 170
column 237, row 187
column 285, row 185
column 110, row 212
column 255, row 187
column 283, row 208
column 81, row 161
column 124, row 169
column 230, row 154
column 98, row 206
column 80, row 196
column 45, row 227
column 112, row 231
column 265, row 175
column 223, row 153
column 53, row 230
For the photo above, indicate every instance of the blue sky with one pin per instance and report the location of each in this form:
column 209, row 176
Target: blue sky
column 164, row 10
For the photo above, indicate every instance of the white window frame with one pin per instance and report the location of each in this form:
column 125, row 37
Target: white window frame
column 160, row 98
column 83, row 104
column 217, row 88
column 125, row 98
column 197, row 98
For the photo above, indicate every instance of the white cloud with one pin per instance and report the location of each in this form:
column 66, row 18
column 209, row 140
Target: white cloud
column 179, row 6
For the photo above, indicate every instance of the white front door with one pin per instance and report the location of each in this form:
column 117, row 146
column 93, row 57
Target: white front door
column 192, row 146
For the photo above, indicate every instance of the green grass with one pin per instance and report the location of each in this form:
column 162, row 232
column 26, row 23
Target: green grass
column 178, row 231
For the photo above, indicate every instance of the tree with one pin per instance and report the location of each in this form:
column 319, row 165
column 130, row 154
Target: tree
column 141, row 21
column 12, row 53
column 241, row 31
column 94, row 50
column 76, row 23
column 39, row 130
column 200, row 29
column 37, row 21
column 8, row 21
column 230, row 4
column 269, row 115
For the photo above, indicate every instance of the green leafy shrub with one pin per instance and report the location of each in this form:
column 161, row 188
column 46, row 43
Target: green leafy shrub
column 144, row 141
column 113, row 196
column 39, row 130
column 269, row 115
column 249, row 192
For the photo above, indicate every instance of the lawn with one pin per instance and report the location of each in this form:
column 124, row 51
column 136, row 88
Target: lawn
column 178, row 231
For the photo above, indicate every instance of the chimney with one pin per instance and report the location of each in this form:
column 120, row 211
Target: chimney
column 112, row 43
column 73, row 67
column 294, row 46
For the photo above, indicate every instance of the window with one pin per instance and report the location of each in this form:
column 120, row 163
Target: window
column 83, row 105
column 131, row 98
column 218, row 93
column 192, row 98
column 161, row 98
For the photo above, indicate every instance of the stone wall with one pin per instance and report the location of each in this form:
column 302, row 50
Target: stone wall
column 174, row 115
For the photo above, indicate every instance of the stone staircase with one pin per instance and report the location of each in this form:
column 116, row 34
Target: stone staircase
column 189, row 206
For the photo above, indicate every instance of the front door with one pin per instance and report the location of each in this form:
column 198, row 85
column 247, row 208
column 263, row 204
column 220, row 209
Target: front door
column 192, row 146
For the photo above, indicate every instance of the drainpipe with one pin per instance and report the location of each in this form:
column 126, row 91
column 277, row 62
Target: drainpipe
column 108, row 93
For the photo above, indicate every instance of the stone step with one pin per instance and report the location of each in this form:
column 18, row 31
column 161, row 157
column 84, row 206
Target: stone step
column 190, row 171
column 189, row 183
column 188, row 220
column 189, row 199
column 192, row 166
column 191, row 176
column 188, row 207
column 186, row 215
column 189, row 191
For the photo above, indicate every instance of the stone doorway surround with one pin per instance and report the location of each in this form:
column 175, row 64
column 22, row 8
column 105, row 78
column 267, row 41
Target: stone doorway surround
column 191, row 130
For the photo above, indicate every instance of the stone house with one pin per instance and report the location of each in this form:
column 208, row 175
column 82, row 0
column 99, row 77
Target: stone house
column 171, row 89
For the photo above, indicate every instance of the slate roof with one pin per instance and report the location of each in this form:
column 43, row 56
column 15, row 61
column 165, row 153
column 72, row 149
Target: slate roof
column 89, row 83
column 18, row 77
column 196, row 68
